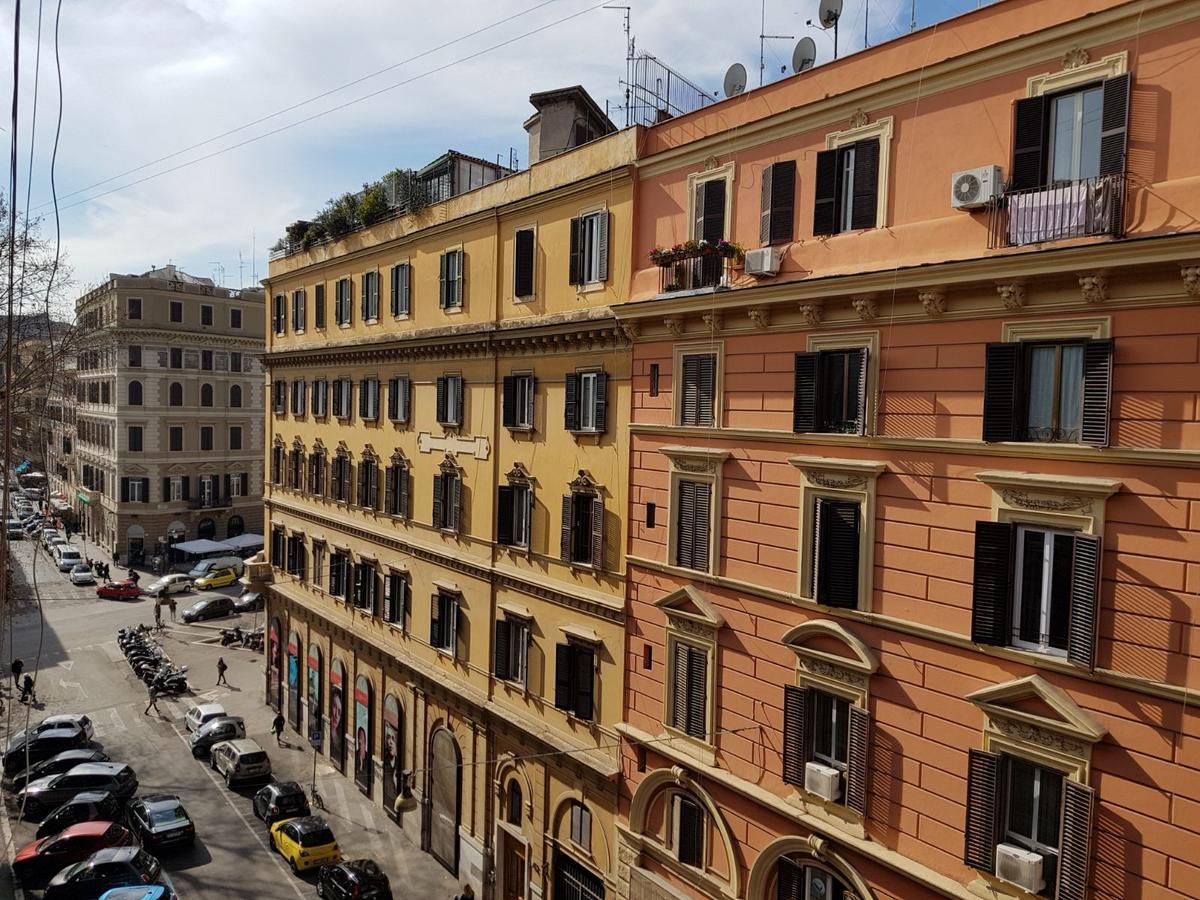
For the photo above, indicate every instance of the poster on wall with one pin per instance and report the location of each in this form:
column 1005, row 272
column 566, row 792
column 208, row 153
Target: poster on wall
column 337, row 723
column 314, row 689
column 293, row 680
column 274, row 686
column 393, row 764
column 363, row 763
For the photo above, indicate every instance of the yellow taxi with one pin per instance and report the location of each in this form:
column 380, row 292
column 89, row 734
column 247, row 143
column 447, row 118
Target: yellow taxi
column 306, row 843
column 215, row 579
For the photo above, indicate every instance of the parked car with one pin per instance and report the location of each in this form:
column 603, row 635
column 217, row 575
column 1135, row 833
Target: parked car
column 160, row 820
column 221, row 562
column 212, row 732
column 208, row 608
column 240, row 760
column 16, row 531
column 68, row 557
column 201, row 713
column 354, row 879
column 56, row 721
column 249, row 601
column 280, row 800
column 169, row 584
column 43, row 746
column 81, row 574
column 90, row 806
column 56, row 765
column 141, row 892
column 104, row 869
column 39, row 860
column 118, row 590
column 217, row 578
column 47, row 793
column 305, row 842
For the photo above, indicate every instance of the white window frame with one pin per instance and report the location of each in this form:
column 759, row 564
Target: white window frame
column 587, row 400
column 135, row 491
column 235, row 486
column 581, row 826
column 589, row 246
column 1044, row 600
column 523, row 397
column 320, row 397
column 176, row 488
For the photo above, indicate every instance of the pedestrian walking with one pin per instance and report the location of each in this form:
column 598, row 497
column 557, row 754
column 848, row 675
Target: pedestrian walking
column 134, row 577
column 18, row 666
column 153, row 704
column 221, row 667
column 157, row 615
column 277, row 727
column 468, row 893
column 171, row 603
column 27, row 693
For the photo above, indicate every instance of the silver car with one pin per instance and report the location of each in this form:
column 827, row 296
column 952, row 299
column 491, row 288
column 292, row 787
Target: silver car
column 212, row 732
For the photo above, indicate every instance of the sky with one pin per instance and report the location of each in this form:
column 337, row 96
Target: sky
column 145, row 80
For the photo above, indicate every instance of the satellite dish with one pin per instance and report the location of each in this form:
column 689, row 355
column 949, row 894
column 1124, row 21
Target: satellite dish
column 830, row 12
column 735, row 80
column 804, row 55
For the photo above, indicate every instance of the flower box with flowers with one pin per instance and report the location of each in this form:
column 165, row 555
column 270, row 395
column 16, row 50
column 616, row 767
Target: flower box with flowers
column 668, row 256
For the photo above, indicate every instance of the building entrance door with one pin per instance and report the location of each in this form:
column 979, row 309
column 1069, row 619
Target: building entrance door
column 515, row 880
column 442, row 806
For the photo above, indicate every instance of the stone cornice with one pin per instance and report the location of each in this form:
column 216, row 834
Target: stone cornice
column 1101, row 488
column 121, row 336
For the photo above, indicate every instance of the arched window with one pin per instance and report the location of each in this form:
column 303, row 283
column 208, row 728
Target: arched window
column 235, row 396
column 206, row 530
column 235, row 526
column 512, row 803
column 206, row 395
column 135, row 393
column 795, row 879
column 175, row 394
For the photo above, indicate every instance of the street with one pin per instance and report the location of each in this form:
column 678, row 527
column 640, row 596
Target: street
column 82, row 670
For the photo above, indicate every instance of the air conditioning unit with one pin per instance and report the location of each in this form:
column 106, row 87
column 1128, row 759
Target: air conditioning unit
column 974, row 188
column 1021, row 867
column 763, row 261
column 824, row 781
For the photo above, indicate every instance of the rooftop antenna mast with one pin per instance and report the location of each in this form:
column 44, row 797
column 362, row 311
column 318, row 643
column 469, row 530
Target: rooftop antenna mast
column 628, row 62
column 763, row 37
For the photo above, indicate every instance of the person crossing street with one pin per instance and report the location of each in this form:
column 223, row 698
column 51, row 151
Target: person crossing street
column 221, row 667
column 153, row 704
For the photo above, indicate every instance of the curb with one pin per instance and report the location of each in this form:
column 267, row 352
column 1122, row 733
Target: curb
column 6, row 836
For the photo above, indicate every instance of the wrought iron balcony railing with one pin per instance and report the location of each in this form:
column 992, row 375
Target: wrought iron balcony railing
column 692, row 270
column 1085, row 208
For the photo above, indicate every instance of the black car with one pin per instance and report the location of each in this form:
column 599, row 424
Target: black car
column 160, row 820
column 37, row 747
column 208, row 608
column 105, row 869
column 90, row 806
column 250, row 601
column 361, row 879
column 50, row 793
column 280, row 800
column 56, row 765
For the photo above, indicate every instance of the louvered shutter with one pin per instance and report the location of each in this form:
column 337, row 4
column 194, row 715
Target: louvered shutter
column 1114, row 124
column 393, row 399
column 443, row 283
column 441, row 411
column 460, row 397
column 700, row 526
column 146, row 489
column 689, row 402
column 504, row 516
column 508, row 413
column 405, row 495
column 865, row 203
column 804, row 398
column 373, row 486
column 529, row 400
column 790, row 880
column 983, row 796
column 319, row 306
column 1085, row 597
column 601, row 402
column 857, row 760
column 562, row 676
column 1029, row 130
column 455, row 502
column 698, row 210
column 697, row 693
column 1097, row 392
column 764, row 219
column 576, row 259
column 992, row 593
column 690, row 837
column 783, row 202
column 571, row 402
column 712, row 227
column 795, row 734
column 389, row 597
column 825, row 194
column 585, row 677
column 857, row 388
column 679, row 687
column 602, row 225
column 186, row 483
column 124, row 490
column 405, row 398
column 365, row 298
column 166, row 494
column 707, row 389
column 597, row 533
column 389, row 487
column 501, row 654
column 523, row 253
column 439, row 519
column 685, row 517
column 564, row 541
column 460, row 277
column 364, row 397
column 229, row 478
column 1075, row 841
column 363, row 484
column 837, row 559
column 1001, row 380
column 395, row 299
column 435, row 621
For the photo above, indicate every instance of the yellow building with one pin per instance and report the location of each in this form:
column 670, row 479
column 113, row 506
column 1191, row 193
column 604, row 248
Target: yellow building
column 445, row 506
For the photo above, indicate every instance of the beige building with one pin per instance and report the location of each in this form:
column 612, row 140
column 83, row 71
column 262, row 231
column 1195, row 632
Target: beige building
column 169, row 395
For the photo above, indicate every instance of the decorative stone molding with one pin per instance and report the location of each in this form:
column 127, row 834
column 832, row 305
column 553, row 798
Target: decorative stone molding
column 711, row 163
column 933, row 300
column 760, row 316
column 1191, row 279
column 1075, row 57
column 697, row 460
column 1032, row 733
column 712, row 320
column 631, row 330
column 584, row 483
column 479, row 447
column 1093, row 286
column 1014, row 497
column 826, row 480
column 674, row 325
column 1012, row 294
column 832, row 672
column 859, row 118
column 866, row 307
column 518, row 474
column 811, row 313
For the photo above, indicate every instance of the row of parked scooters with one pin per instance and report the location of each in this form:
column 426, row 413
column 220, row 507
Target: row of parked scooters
column 150, row 662
column 237, row 636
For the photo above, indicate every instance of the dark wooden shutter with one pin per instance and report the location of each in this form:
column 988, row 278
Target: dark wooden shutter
column 124, row 490
column 706, row 389
column 765, row 195
column 585, row 677
column 441, row 412
column 460, row 277
column 562, row 676
column 501, row 654
column 789, row 880
column 1029, row 139
column 187, row 487
column 700, row 525
column 364, row 396
column 804, row 398
column 389, row 487
column 439, row 513
column 837, row 553
column 564, row 540
column 405, row 494
column 601, row 401
column 523, row 263
column 678, row 711
column 983, row 800
column 576, row 259
column 825, row 194
column 697, row 692
column 435, row 621
column 1075, row 841
column 443, row 286
column 685, row 517
column 857, row 761
column 1097, row 392
column 405, row 399
column 504, row 516
column 1001, row 380
column 395, row 290
column 865, row 203
column 1085, row 599
column 689, row 401
column 454, row 513
column 363, row 486
column 529, row 401
column 783, row 202
column 299, row 478
column 365, row 299
column 571, row 402
column 602, row 225
column 166, row 494
column 992, row 593
column 1114, row 125
column 373, row 485
column 713, row 225
column 795, row 734
column 319, row 304
column 460, row 398
column 597, row 533
column 691, row 836
column 508, row 413
column 857, row 387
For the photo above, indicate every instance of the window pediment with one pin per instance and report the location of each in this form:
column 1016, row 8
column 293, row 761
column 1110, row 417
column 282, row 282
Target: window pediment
column 696, row 460
column 584, row 483
column 518, row 474
column 811, row 642
column 687, row 609
column 1051, row 720
column 1049, row 493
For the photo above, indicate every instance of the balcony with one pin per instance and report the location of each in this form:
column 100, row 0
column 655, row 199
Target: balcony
column 1090, row 207
column 693, row 267
column 210, row 502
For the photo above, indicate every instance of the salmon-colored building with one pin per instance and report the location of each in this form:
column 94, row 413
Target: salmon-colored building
column 914, row 556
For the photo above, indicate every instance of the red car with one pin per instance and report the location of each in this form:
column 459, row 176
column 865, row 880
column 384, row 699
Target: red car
column 118, row 590
column 36, row 862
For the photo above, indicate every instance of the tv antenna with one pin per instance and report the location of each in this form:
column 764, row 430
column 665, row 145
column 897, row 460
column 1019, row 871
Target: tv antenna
column 805, row 55
column 827, row 17
column 735, row 80
column 763, row 37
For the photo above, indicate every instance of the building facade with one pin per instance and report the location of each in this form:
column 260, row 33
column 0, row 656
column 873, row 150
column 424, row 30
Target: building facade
column 169, row 412
column 445, row 506
column 913, row 506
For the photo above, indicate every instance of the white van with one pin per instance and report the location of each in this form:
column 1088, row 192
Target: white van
column 221, row 562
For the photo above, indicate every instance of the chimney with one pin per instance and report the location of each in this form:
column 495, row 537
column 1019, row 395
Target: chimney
column 565, row 118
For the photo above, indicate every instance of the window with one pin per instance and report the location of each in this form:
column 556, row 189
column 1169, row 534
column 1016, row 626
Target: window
column 208, row 490
column 175, row 394
column 299, row 396
column 135, row 356
column 105, row 392
column 847, row 185
column 581, row 826
column 297, row 562
column 238, row 483
column 339, row 571
column 319, row 306
column 206, row 437
column 582, row 538
column 175, row 438
column 342, row 389
column 693, row 529
column 574, row 679
column 316, row 474
column 447, row 500
column 825, row 738
column 343, row 307
column 279, row 313
column 298, row 310
column 830, row 392
column 368, row 483
column 586, row 406
column 835, row 553
column 279, row 397
column 318, row 563
column 235, row 362
column 524, row 250
column 397, row 597
column 511, row 649
column 206, row 314
column 687, row 833
column 339, row 478
column 450, row 400
column 396, row 490
column 206, row 360
column 135, row 490
column 1048, row 391
column 235, row 318
column 514, row 515
column 133, row 307
column 401, row 290
column 776, row 222
column 135, row 393
column 176, row 313
column 589, row 248
column 235, row 396
column 320, row 397
column 689, row 689
column 698, row 389
column 364, row 592
column 235, row 437
column 443, row 623
column 135, row 438
column 206, row 395
column 368, row 399
column 277, row 464
column 176, row 358
column 176, row 488
column 399, row 398
column 370, row 296
column 518, row 391
column 795, row 881
column 513, row 803
column 451, row 279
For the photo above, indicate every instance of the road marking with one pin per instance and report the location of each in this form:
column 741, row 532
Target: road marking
column 67, row 664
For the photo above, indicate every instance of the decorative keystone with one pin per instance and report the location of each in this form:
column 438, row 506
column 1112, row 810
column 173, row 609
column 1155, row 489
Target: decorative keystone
column 1093, row 286
column 712, row 321
column 811, row 313
column 1191, row 279
column 1012, row 294
column 1075, row 57
column 858, row 118
column 933, row 300
column 866, row 307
